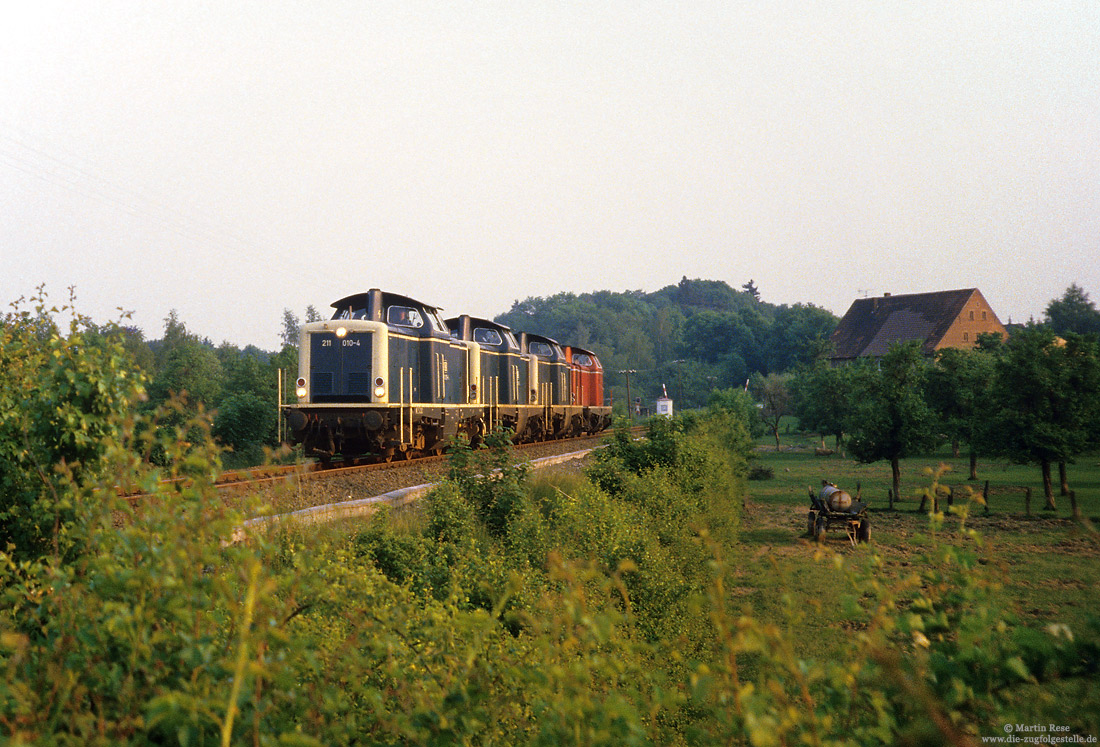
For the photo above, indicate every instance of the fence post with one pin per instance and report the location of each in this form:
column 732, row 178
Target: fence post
column 1073, row 504
column 985, row 496
column 1027, row 502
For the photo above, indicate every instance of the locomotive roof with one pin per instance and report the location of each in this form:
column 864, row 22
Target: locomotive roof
column 541, row 338
column 362, row 300
column 479, row 321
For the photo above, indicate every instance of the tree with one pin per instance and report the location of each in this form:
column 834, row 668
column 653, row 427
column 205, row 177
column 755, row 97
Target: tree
column 185, row 366
column 959, row 389
column 751, row 289
column 737, row 401
column 774, row 394
column 890, row 418
column 821, row 400
column 1073, row 312
column 291, row 326
column 245, row 423
column 799, row 335
column 712, row 336
column 1047, row 392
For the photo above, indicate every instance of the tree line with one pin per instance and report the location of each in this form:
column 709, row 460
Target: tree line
column 693, row 337
column 1031, row 399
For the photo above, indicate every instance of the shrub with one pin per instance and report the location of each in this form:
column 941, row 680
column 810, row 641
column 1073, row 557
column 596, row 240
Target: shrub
column 63, row 402
column 761, row 472
column 245, row 423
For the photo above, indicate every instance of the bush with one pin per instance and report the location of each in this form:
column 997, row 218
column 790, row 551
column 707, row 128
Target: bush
column 245, row 423
column 63, row 403
column 761, row 472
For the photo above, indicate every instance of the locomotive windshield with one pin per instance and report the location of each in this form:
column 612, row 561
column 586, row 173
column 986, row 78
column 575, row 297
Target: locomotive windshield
column 404, row 316
column 487, row 336
column 350, row 312
column 541, row 348
column 582, row 360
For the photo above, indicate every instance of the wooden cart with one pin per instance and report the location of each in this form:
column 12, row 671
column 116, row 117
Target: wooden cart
column 852, row 518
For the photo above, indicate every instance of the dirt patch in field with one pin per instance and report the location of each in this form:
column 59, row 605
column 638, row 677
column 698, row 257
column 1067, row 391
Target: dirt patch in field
column 781, row 529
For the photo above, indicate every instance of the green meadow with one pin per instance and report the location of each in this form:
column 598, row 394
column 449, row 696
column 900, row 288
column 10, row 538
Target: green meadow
column 1049, row 563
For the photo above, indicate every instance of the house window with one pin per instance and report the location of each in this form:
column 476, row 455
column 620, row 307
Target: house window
column 971, row 316
column 983, row 316
column 966, row 335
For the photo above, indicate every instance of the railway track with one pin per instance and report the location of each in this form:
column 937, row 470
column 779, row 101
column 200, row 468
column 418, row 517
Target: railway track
column 271, row 476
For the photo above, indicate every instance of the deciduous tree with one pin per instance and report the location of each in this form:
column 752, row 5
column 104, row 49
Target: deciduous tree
column 1047, row 391
column 959, row 389
column 1073, row 312
column 774, row 394
column 890, row 418
column 822, row 399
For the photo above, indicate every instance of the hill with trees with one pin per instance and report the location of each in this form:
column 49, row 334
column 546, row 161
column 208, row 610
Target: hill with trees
column 694, row 337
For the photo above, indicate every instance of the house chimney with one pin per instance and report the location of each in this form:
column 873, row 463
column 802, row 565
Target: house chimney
column 885, row 295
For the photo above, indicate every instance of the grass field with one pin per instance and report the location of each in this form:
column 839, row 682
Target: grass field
column 1050, row 562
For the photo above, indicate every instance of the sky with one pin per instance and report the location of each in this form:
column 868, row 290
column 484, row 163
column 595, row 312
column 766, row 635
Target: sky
column 231, row 159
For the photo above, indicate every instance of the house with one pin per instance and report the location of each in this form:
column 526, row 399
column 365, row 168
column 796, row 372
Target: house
column 938, row 320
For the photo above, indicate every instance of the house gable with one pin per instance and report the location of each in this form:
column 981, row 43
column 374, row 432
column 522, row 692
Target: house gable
column 976, row 318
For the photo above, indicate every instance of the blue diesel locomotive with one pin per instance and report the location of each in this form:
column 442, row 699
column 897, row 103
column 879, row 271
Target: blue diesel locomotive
column 386, row 377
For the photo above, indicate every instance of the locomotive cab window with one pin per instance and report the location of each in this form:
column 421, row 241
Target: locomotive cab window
column 403, row 316
column 582, row 360
column 541, row 348
column 512, row 342
column 350, row 313
column 487, row 336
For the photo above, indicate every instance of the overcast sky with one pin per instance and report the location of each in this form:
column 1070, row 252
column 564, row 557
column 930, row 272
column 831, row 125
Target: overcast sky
column 228, row 159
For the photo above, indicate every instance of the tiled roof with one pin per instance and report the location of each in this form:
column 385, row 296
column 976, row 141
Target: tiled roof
column 873, row 324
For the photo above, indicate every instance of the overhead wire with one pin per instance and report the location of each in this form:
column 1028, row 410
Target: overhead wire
column 69, row 173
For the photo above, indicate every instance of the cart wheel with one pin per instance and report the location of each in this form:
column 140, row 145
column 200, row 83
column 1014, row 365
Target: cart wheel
column 810, row 520
column 863, row 534
column 819, row 529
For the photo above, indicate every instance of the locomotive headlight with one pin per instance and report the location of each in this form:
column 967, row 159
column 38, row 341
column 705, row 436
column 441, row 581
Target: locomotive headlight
column 341, row 332
column 300, row 385
column 379, row 388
